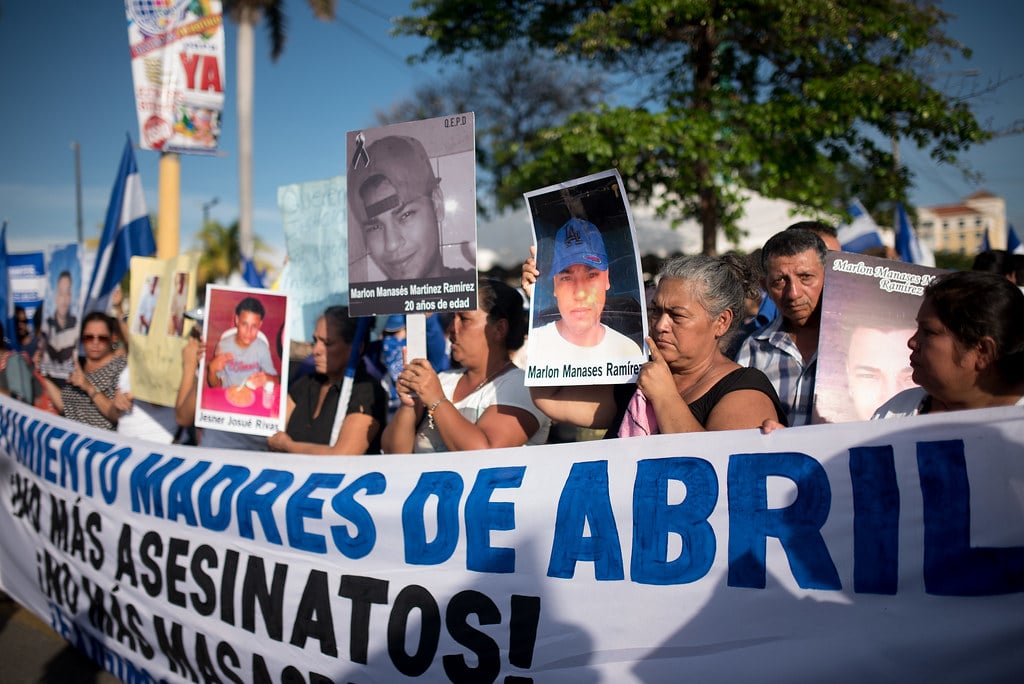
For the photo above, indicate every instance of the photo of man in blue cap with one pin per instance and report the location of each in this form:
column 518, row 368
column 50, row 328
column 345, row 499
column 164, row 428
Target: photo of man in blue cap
column 581, row 283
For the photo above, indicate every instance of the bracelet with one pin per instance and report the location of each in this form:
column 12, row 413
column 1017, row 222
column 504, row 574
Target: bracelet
column 430, row 412
column 94, row 392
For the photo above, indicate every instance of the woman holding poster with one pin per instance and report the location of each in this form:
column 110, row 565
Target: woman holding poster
column 313, row 399
column 689, row 385
column 90, row 392
column 968, row 350
column 483, row 404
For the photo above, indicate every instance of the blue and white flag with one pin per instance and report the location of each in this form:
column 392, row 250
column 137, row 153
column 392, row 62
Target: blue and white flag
column 250, row 274
column 910, row 250
column 6, row 296
column 1013, row 245
column 986, row 244
column 862, row 232
column 126, row 233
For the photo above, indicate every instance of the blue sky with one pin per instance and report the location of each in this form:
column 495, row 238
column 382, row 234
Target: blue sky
column 66, row 77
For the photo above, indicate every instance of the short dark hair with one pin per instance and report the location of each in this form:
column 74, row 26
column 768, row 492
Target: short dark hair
column 991, row 261
column 816, row 227
column 502, row 301
column 251, row 304
column 790, row 243
column 976, row 304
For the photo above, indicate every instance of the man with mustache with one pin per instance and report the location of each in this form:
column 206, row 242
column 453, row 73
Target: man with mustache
column 787, row 349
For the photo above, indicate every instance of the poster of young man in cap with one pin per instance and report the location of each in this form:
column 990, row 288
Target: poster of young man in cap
column 412, row 217
column 588, row 316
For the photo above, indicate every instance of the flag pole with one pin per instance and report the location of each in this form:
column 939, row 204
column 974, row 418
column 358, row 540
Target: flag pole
column 169, row 217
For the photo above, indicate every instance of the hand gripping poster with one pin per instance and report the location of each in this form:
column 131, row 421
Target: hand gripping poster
column 412, row 217
column 588, row 316
column 177, row 50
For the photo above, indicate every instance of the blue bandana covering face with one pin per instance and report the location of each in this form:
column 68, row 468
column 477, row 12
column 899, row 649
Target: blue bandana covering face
column 393, row 360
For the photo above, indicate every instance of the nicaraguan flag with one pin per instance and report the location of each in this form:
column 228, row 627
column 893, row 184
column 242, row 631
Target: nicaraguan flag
column 985, row 244
column 126, row 233
column 251, row 276
column 862, row 232
column 1013, row 245
column 910, row 250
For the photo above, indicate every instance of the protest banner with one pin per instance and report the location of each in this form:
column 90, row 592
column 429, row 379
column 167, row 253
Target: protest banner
column 588, row 313
column 412, row 217
column 882, row 551
column 868, row 312
column 243, row 378
column 28, row 281
column 177, row 51
column 316, row 240
column 154, row 356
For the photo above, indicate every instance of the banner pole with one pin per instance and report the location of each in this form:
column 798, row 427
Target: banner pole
column 168, row 219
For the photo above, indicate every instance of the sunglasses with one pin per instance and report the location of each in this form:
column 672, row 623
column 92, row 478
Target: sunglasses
column 96, row 338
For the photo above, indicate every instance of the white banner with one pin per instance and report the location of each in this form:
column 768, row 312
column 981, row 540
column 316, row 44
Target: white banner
column 884, row 551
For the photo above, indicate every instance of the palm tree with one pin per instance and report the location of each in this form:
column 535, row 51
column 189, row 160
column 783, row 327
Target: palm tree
column 247, row 13
column 220, row 252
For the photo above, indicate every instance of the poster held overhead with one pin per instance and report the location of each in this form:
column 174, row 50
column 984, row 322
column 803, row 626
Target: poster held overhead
column 412, row 217
column 588, row 315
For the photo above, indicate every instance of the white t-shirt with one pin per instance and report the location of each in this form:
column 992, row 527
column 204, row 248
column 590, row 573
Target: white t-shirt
column 547, row 344
column 908, row 403
column 507, row 390
column 148, row 421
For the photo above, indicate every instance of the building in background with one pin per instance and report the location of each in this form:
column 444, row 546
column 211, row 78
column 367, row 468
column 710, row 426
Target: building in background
column 960, row 228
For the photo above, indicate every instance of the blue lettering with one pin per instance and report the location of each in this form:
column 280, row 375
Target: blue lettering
column 483, row 515
column 110, row 466
column 585, row 500
column 951, row 566
column 145, row 486
column 345, row 505
column 301, row 505
column 250, row 501
column 179, row 494
column 797, row 527
column 654, row 520
column 447, row 487
column 876, row 520
column 235, row 476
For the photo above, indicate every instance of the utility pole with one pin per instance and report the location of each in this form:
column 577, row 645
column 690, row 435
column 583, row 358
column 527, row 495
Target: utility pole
column 206, row 210
column 78, row 188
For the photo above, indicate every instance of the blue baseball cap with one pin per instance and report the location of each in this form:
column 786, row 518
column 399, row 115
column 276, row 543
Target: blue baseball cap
column 394, row 323
column 579, row 242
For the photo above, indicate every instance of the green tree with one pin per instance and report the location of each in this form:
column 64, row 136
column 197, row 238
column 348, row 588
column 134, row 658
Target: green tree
column 796, row 99
column 515, row 93
column 220, row 253
column 247, row 14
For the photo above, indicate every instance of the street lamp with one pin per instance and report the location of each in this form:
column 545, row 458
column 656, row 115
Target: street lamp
column 206, row 209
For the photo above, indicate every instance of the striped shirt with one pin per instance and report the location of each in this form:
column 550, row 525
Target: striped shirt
column 772, row 351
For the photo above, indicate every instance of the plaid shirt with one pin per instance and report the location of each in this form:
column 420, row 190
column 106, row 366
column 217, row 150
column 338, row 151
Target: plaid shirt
column 772, row 351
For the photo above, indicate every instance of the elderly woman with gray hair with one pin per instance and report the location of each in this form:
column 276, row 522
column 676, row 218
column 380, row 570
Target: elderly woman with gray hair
column 689, row 385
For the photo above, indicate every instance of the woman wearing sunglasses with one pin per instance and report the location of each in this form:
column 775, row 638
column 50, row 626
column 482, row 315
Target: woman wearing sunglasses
column 90, row 394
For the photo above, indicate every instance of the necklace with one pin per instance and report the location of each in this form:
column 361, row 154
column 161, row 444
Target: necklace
column 491, row 376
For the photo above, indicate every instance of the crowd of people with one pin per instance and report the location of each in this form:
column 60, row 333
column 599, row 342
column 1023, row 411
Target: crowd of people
column 733, row 344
